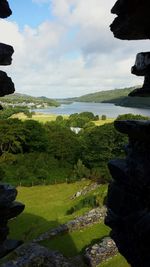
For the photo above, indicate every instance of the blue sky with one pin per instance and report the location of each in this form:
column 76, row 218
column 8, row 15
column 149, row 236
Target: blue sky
column 28, row 12
column 64, row 48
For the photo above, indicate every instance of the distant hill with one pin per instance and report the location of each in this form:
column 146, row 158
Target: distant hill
column 117, row 96
column 18, row 99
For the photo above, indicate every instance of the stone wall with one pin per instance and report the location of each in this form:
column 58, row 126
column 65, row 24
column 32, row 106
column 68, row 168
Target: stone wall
column 86, row 190
column 8, row 207
column 129, row 192
column 100, row 252
column 90, row 218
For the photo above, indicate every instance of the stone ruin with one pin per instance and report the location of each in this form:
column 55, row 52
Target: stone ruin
column 129, row 192
column 9, row 208
column 142, row 68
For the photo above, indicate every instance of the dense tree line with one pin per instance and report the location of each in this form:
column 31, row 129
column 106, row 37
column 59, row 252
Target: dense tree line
column 31, row 152
column 7, row 112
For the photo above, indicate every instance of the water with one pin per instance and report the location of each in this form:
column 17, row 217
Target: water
column 110, row 110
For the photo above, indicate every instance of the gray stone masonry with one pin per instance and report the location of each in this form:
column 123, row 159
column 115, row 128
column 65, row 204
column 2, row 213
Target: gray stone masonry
column 91, row 217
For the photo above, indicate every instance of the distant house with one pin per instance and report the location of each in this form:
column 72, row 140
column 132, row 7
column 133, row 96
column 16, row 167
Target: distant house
column 75, row 129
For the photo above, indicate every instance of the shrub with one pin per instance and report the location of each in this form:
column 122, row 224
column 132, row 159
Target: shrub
column 89, row 201
column 103, row 117
column 80, row 170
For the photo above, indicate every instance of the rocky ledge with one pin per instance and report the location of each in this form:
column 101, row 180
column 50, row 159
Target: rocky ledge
column 132, row 21
column 129, row 195
column 7, row 86
column 34, row 255
column 6, row 52
column 86, row 190
column 5, row 10
column 100, row 252
column 9, row 209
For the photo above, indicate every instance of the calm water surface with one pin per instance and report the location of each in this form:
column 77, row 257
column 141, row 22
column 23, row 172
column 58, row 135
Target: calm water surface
column 110, row 110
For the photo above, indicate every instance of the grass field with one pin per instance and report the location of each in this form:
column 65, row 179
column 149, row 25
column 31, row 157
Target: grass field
column 46, row 207
column 116, row 261
column 43, row 118
column 74, row 243
column 102, row 122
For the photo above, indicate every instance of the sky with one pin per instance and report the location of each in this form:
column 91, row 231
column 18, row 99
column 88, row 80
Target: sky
column 64, row 48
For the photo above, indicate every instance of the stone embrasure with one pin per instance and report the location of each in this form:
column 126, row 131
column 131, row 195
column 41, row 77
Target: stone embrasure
column 6, row 52
column 133, row 20
column 5, row 10
column 142, row 68
column 8, row 207
column 136, row 129
column 100, row 252
column 129, row 195
column 91, row 217
column 6, row 85
column 8, row 210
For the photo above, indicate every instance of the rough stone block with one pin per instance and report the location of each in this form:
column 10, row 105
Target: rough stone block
column 132, row 21
column 5, row 10
column 6, row 52
column 6, row 85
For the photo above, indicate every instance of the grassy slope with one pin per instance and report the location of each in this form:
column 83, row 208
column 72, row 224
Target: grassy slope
column 117, row 261
column 104, row 95
column 43, row 118
column 74, row 243
column 21, row 98
column 48, row 210
column 46, row 207
column 116, row 96
column 102, row 122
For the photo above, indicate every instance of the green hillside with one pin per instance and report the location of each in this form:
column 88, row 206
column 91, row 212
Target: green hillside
column 116, row 96
column 26, row 100
column 49, row 211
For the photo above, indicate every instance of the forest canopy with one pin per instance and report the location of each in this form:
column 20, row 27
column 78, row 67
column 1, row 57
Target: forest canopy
column 31, row 152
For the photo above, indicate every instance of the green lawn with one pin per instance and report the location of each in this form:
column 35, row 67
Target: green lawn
column 46, row 207
column 40, row 117
column 43, row 118
column 102, row 122
column 74, row 243
column 116, row 261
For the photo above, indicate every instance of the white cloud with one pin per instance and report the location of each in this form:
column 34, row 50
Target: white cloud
column 73, row 54
column 9, row 33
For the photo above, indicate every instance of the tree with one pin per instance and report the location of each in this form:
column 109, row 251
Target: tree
column 2, row 174
column 89, row 124
column 100, row 144
column 36, row 139
column 59, row 119
column 87, row 114
column 79, row 120
column 12, row 135
column 80, row 170
column 103, row 117
column 9, row 111
column 63, row 144
column 130, row 116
